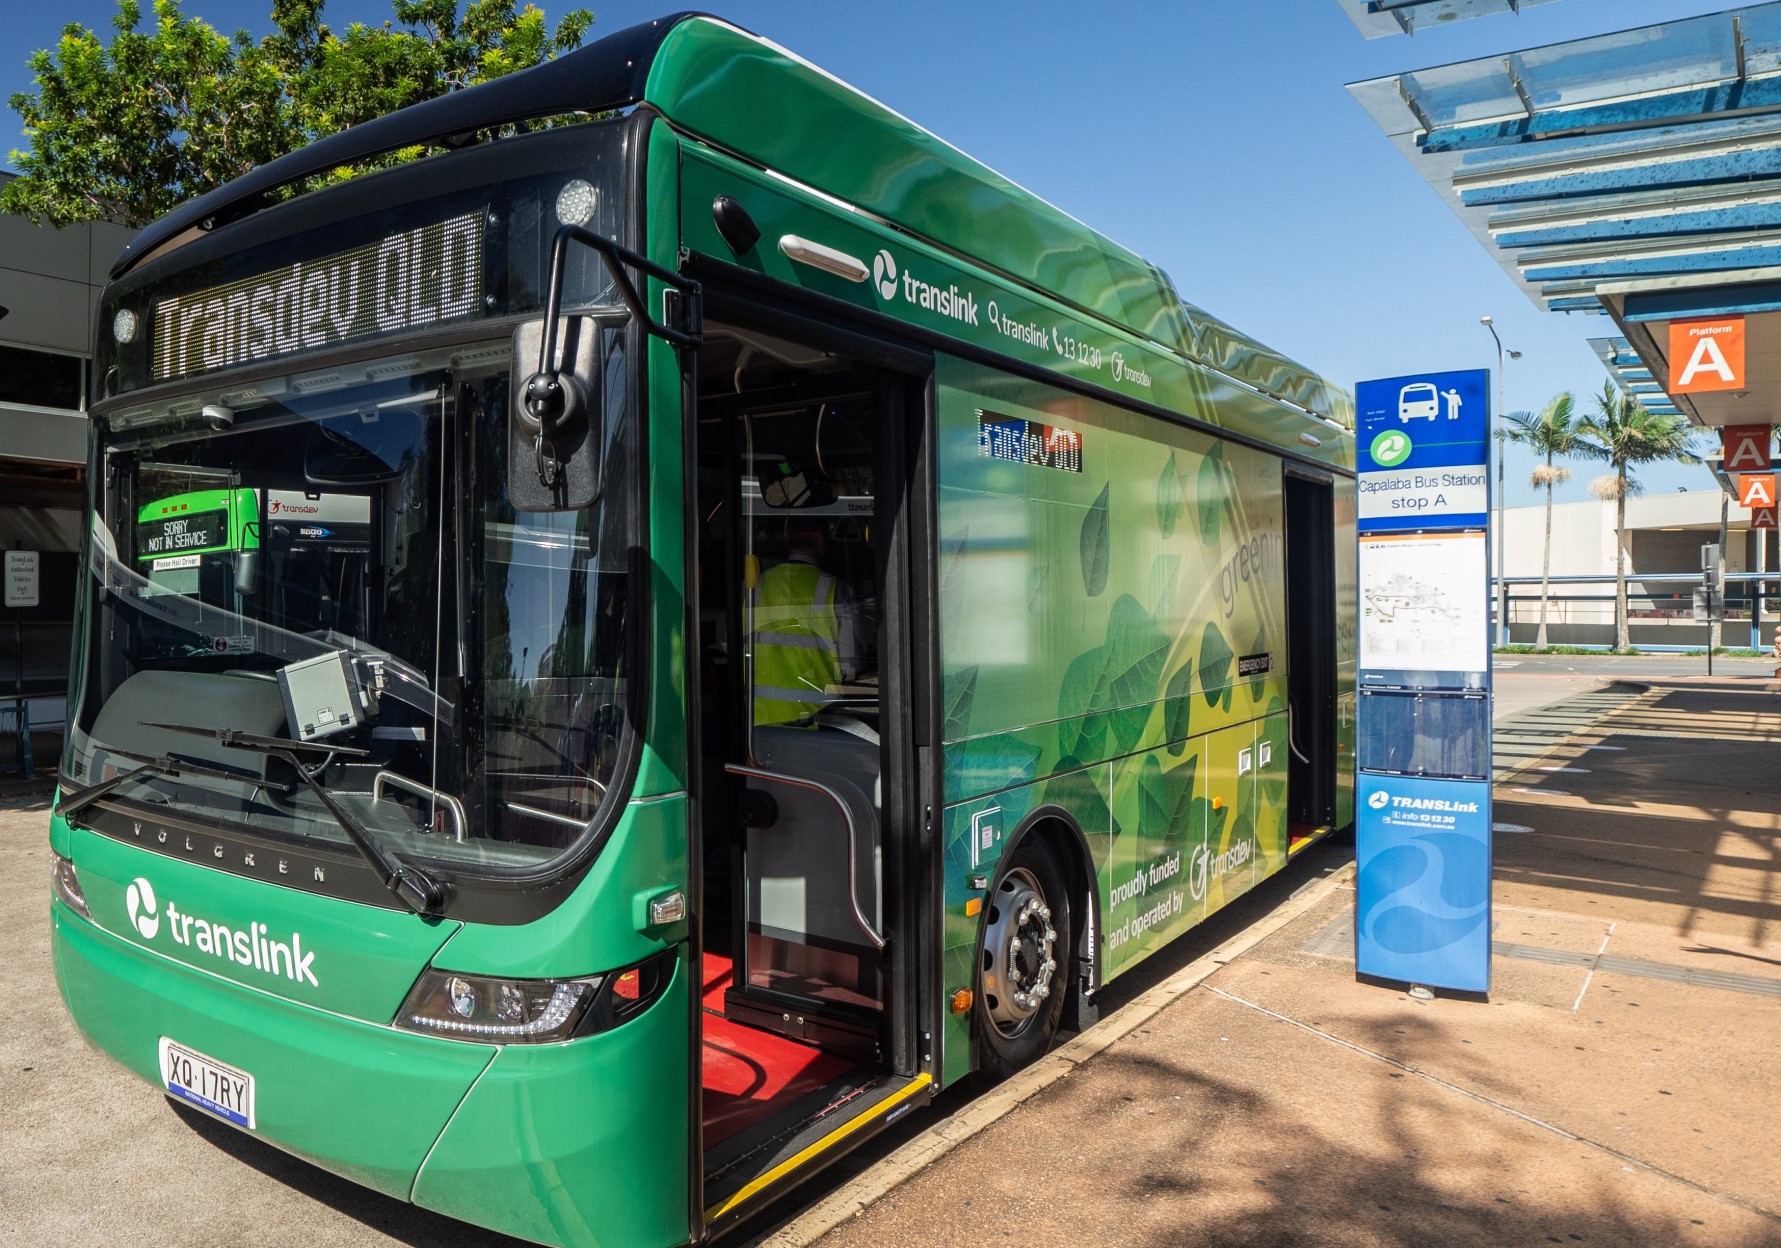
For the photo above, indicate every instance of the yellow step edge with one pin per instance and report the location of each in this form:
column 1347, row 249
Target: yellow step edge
column 784, row 1168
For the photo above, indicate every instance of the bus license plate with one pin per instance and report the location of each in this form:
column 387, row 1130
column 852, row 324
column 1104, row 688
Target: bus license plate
column 207, row 1083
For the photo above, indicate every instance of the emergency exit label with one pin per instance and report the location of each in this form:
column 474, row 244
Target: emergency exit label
column 21, row 578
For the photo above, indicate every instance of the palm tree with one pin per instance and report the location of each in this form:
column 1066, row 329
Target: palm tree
column 1553, row 432
column 1624, row 432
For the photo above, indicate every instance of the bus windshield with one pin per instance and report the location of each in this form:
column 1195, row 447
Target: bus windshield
column 331, row 559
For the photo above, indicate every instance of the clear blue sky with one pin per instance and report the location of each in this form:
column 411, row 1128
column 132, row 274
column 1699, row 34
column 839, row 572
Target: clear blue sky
column 1214, row 139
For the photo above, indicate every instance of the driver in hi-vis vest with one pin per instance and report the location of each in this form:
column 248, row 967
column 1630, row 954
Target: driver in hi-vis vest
column 806, row 630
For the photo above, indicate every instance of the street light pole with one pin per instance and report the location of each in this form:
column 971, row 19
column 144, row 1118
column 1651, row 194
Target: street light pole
column 1502, row 454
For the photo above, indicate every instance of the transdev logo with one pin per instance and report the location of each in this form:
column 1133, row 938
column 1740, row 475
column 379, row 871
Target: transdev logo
column 145, row 917
column 884, row 274
column 249, row 946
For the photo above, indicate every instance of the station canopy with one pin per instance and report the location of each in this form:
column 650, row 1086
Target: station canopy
column 1635, row 173
column 1406, row 17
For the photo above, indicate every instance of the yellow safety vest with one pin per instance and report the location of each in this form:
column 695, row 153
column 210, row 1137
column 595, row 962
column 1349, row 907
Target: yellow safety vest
column 797, row 642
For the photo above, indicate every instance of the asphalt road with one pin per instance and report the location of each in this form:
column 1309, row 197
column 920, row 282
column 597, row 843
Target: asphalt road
column 1525, row 682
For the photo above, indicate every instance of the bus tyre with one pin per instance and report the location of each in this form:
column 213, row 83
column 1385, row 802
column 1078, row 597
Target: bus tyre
column 1022, row 968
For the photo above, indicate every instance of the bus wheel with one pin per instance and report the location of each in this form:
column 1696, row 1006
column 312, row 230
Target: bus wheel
column 1023, row 968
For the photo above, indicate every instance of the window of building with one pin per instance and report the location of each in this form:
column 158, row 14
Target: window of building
column 39, row 378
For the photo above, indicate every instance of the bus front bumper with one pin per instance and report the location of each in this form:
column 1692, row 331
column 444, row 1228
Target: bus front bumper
column 572, row 1144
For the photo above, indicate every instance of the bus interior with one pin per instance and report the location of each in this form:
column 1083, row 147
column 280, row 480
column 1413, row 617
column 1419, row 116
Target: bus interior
column 793, row 468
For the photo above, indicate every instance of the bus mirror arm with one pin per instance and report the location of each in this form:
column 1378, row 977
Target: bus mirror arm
column 563, row 397
column 688, row 334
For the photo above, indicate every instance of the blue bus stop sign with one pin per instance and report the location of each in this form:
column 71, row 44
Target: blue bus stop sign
column 1424, row 451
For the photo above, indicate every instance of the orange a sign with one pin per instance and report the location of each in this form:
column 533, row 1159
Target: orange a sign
column 1707, row 353
column 1746, row 448
column 1757, row 490
column 1762, row 518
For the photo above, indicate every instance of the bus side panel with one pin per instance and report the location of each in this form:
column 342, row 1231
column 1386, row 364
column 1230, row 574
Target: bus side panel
column 1111, row 588
column 580, row 1144
column 1347, row 625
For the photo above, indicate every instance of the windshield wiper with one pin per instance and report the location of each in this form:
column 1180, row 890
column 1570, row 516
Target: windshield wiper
column 411, row 886
column 164, row 765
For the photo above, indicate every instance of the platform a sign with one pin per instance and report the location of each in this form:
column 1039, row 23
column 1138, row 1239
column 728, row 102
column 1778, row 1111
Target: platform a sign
column 1707, row 353
column 1756, row 490
column 1422, row 816
column 1746, row 448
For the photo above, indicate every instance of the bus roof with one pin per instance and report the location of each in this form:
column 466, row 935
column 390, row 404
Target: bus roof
column 747, row 95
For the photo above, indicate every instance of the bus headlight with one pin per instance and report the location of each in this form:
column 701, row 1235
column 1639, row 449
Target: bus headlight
column 501, row 1011
column 66, row 886
column 488, row 1010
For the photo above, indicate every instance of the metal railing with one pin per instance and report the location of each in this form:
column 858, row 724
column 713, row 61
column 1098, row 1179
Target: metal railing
column 1660, row 610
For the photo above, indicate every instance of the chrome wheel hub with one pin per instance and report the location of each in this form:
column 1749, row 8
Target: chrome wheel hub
column 1019, row 952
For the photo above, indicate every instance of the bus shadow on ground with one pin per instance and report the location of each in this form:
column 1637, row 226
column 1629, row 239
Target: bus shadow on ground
column 401, row 1221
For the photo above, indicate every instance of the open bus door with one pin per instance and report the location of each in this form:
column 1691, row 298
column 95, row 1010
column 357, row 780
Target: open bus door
column 809, row 797
column 1311, row 650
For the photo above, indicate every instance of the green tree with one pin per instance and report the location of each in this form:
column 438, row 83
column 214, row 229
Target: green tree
column 1553, row 433
column 1625, row 433
column 128, row 130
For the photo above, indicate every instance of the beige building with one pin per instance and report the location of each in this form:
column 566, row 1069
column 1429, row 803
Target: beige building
column 49, row 292
column 1666, row 533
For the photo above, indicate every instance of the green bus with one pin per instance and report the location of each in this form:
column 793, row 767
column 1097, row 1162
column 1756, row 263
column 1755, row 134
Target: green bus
column 618, row 659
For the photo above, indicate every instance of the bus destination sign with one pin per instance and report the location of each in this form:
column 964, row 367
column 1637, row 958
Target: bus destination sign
column 199, row 531
column 410, row 279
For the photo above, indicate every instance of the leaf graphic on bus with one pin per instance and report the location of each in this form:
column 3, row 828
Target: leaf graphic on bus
column 1168, row 497
column 1215, row 666
column 1204, row 815
column 1112, row 688
column 952, row 565
column 1209, row 494
column 987, row 764
column 1165, row 797
column 1096, row 544
column 1178, row 707
column 960, row 695
column 1081, row 732
column 1165, row 575
column 1243, row 829
column 1076, row 791
column 1038, row 581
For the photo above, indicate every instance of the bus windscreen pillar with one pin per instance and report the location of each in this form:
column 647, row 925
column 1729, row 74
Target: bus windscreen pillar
column 1422, row 809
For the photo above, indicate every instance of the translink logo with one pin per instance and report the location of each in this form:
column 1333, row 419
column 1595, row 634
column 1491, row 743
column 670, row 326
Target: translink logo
column 250, row 946
column 884, row 273
column 949, row 301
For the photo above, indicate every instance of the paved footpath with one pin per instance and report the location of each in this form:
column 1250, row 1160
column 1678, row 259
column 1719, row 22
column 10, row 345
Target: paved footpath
column 1618, row 1087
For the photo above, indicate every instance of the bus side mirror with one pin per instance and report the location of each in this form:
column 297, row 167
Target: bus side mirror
column 247, row 573
column 557, row 415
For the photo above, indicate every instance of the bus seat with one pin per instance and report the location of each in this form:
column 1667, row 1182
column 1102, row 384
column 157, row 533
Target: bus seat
column 800, row 900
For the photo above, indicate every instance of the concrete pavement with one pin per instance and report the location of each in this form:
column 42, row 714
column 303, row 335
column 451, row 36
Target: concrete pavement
column 1617, row 1087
